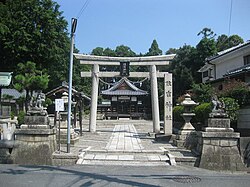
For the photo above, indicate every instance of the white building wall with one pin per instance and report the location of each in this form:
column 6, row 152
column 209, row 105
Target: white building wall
column 222, row 67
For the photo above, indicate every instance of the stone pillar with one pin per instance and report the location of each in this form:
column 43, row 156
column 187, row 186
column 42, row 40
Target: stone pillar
column 168, row 124
column 218, row 146
column 154, row 99
column 94, row 98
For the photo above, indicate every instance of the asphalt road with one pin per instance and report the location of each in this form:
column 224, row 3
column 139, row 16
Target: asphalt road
column 38, row 176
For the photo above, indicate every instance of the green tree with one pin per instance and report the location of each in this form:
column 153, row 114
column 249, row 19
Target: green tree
column 182, row 68
column 207, row 33
column 223, row 42
column 202, row 92
column 154, row 50
column 183, row 80
column 34, row 30
column 99, row 51
column 124, row 51
column 171, row 51
column 109, row 52
column 30, row 79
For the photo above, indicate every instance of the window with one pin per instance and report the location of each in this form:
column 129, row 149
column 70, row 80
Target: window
column 205, row 74
column 246, row 59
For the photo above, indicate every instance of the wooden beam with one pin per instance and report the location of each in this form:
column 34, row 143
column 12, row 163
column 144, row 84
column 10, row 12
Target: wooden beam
column 134, row 61
column 117, row 74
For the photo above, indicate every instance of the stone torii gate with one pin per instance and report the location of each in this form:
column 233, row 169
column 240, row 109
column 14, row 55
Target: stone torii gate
column 151, row 61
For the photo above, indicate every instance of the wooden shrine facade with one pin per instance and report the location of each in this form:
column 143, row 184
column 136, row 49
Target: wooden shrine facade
column 125, row 99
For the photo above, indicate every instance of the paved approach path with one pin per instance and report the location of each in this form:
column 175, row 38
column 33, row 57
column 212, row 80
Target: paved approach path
column 124, row 138
column 122, row 143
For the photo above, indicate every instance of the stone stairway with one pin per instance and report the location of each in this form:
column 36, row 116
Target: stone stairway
column 126, row 147
column 132, row 158
column 183, row 156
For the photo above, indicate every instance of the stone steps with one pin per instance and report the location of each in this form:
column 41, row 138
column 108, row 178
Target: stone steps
column 133, row 158
column 183, row 156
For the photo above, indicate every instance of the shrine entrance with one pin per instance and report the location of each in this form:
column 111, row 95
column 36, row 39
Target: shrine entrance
column 124, row 63
column 126, row 100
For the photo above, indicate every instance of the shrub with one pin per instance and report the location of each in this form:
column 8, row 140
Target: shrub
column 177, row 111
column 237, row 90
column 231, row 107
column 202, row 92
column 202, row 112
column 20, row 117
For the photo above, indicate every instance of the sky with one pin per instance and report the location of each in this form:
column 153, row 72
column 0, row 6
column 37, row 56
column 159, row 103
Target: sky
column 136, row 23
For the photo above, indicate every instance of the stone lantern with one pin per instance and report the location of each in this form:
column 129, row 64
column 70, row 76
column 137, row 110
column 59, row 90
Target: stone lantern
column 187, row 135
column 63, row 123
column 188, row 104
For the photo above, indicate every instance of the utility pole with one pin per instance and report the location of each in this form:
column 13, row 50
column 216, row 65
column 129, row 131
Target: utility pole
column 73, row 29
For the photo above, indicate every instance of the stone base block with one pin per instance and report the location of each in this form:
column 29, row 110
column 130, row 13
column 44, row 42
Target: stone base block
column 36, row 120
column 218, row 122
column 64, row 140
column 35, row 126
column 64, row 159
column 219, row 151
column 213, row 129
column 34, row 146
column 186, row 139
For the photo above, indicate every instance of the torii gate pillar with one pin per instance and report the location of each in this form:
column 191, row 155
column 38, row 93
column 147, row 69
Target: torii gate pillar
column 94, row 98
column 154, row 99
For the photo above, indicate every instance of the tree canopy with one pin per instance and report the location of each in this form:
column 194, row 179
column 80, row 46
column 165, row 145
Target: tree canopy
column 30, row 79
column 34, row 30
column 154, row 50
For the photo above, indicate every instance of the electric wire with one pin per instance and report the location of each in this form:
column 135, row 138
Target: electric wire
column 85, row 5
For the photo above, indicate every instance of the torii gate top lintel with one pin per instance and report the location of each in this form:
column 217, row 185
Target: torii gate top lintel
column 105, row 60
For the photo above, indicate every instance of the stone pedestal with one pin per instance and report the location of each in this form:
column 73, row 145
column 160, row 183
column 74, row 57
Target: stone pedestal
column 34, row 146
column 218, row 146
column 35, row 140
column 186, row 136
column 63, row 131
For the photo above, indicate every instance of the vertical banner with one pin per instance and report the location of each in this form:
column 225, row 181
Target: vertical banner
column 168, row 99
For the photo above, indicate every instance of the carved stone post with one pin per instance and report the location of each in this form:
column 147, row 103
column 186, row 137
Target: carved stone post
column 168, row 103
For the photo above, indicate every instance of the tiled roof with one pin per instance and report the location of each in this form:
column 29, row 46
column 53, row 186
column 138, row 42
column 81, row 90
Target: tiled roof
column 133, row 90
column 245, row 68
column 13, row 92
column 221, row 53
column 65, row 88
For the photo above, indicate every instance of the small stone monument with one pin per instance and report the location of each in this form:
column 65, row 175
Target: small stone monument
column 187, row 135
column 218, row 143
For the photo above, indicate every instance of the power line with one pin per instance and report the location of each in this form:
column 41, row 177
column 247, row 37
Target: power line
column 85, row 5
